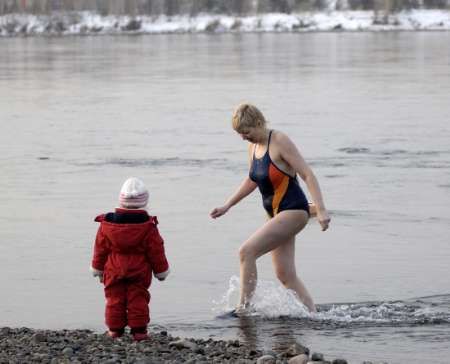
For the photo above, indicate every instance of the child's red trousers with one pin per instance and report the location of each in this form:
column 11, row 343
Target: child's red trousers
column 127, row 301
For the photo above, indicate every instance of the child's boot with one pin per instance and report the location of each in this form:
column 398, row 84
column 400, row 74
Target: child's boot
column 115, row 333
column 139, row 333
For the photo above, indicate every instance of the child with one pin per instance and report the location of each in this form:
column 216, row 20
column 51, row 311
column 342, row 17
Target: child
column 128, row 248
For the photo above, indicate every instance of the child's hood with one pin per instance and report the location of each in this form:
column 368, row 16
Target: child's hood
column 126, row 237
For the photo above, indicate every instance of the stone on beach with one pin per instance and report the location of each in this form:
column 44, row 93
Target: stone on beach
column 299, row 359
column 296, row 349
column 39, row 337
column 68, row 351
column 317, row 357
column 5, row 331
column 184, row 344
column 266, row 359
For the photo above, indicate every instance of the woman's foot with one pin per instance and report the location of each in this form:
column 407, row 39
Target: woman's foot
column 244, row 310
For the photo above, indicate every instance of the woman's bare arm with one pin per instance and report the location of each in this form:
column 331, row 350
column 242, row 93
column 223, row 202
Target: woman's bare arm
column 292, row 156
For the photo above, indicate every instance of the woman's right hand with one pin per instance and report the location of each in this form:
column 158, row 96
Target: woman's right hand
column 219, row 211
column 324, row 219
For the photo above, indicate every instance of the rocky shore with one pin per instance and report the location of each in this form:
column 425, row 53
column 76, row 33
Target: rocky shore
column 24, row 345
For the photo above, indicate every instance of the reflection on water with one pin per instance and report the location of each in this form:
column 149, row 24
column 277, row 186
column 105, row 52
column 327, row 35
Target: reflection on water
column 277, row 335
column 248, row 331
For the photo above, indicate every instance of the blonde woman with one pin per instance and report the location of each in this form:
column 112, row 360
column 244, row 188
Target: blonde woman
column 274, row 164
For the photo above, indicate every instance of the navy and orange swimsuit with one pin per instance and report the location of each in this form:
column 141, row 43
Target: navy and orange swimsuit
column 279, row 190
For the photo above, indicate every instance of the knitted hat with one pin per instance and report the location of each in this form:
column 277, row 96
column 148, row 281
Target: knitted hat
column 134, row 194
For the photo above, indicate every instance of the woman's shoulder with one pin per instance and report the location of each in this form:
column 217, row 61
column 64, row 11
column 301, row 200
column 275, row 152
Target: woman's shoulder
column 282, row 143
column 279, row 137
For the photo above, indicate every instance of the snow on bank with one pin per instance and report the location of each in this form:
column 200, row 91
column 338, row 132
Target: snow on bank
column 92, row 23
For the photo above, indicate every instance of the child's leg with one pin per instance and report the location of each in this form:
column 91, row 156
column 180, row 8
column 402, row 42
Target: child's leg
column 138, row 298
column 116, row 308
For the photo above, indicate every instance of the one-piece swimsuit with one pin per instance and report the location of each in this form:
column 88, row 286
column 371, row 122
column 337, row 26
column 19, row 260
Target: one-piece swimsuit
column 279, row 190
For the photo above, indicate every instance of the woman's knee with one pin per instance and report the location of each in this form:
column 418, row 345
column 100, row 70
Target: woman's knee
column 246, row 253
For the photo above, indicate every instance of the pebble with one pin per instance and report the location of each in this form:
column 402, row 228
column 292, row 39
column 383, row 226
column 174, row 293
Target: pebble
column 67, row 351
column 5, row 331
column 184, row 344
column 39, row 337
column 296, row 349
column 299, row 359
column 317, row 357
column 266, row 359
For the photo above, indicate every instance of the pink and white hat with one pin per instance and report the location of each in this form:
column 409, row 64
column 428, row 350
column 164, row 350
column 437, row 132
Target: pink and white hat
column 134, row 194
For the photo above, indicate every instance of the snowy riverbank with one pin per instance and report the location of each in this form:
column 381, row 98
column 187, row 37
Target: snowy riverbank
column 75, row 23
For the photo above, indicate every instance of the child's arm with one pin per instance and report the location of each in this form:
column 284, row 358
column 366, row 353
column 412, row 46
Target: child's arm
column 100, row 255
column 156, row 254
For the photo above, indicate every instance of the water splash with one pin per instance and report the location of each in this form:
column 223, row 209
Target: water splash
column 269, row 301
column 274, row 301
column 228, row 301
column 412, row 312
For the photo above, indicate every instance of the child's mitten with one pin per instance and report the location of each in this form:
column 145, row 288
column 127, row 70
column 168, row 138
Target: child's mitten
column 97, row 273
column 163, row 275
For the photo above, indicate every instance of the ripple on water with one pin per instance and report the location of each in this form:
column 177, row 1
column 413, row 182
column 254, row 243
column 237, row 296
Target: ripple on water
column 160, row 162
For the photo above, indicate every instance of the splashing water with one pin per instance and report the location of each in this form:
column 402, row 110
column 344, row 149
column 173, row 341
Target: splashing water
column 274, row 301
column 412, row 312
column 269, row 301
column 225, row 304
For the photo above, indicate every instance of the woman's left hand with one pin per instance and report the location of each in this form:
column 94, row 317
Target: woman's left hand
column 219, row 211
column 324, row 219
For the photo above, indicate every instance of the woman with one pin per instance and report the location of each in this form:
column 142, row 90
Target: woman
column 274, row 165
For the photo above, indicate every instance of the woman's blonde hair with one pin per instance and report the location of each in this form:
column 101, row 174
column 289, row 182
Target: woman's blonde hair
column 247, row 116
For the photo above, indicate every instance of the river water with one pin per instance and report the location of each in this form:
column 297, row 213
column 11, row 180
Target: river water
column 368, row 111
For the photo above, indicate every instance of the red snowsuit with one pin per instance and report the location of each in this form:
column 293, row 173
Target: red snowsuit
column 128, row 253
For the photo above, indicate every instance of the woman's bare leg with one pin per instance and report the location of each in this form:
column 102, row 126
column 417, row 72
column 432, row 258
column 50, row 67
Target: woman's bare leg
column 274, row 233
column 283, row 259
